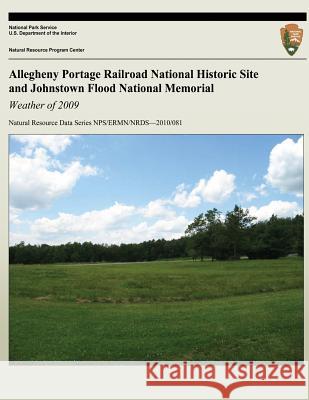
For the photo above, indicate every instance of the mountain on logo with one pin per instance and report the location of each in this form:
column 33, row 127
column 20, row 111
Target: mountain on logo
column 291, row 36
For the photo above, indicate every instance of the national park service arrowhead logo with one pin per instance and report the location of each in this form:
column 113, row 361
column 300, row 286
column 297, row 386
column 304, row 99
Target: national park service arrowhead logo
column 291, row 36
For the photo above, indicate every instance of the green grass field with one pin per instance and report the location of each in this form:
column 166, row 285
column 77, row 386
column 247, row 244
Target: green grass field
column 168, row 310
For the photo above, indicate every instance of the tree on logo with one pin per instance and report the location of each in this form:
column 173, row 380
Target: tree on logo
column 291, row 48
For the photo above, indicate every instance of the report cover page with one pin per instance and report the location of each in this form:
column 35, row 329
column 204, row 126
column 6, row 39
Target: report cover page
column 153, row 224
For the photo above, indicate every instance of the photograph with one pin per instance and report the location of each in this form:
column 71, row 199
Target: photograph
column 135, row 247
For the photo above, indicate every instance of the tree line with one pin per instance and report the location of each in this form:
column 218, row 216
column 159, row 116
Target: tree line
column 239, row 234
column 211, row 234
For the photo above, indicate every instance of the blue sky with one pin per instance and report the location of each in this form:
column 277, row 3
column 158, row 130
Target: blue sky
column 122, row 188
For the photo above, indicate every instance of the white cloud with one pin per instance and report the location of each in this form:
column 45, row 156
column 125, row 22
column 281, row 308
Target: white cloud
column 91, row 221
column 110, row 225
column 185, row 199
column 218, row 188
column 285, row 170
column 261, row 189
column 276, row 207
column 176, row 224
column 17, row 237
column 38, row 180
column 171, row 228
column 249, row 196
column 157, row 208
column 54, row 143
column 14, row 216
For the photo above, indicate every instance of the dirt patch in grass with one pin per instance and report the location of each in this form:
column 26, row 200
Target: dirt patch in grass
column 82, row 301
column 42, row 298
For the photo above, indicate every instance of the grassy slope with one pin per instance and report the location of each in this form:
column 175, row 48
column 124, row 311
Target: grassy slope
column 159, row 310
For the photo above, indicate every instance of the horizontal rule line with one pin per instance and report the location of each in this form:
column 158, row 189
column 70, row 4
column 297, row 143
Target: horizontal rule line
column 158, row 59
column 157, row 16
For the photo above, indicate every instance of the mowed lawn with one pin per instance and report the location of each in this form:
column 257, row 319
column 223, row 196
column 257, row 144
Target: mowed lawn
column 167, row 310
